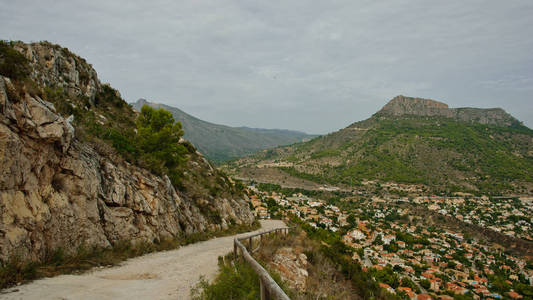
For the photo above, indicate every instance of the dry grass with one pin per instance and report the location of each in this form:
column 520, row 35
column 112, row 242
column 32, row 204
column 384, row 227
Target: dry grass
column 324, row 280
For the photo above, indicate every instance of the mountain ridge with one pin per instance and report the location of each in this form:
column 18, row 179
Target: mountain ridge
column 221, row 142
column 402, row 105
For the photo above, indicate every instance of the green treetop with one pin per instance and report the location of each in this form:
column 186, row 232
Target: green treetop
column 158, row 139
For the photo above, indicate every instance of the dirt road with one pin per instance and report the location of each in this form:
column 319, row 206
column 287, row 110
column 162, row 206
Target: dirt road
column 162, row 275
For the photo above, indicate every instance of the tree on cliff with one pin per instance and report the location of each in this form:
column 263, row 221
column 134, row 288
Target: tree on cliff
column 158, row 139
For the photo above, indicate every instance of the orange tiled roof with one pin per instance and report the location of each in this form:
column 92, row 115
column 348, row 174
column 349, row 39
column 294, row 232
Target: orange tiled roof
column 423, row 297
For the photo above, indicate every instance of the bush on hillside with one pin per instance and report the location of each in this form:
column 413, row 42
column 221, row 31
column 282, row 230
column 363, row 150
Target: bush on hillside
column 236, row 280
column 158, row 144
column 12, row 63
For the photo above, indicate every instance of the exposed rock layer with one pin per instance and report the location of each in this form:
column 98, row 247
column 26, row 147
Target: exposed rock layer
column 292, row 267
column 401, row 105
column 55, row 66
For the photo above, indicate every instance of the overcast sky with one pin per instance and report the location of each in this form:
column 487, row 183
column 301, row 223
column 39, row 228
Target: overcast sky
column 314, row 66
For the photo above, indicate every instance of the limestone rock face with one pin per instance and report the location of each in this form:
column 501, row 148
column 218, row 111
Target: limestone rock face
column 401, row 105
column 292, row 266
column 56, row 66
column 56, row 191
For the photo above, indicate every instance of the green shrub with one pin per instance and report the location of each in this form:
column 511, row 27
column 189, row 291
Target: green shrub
column 158, row 139
column 110, row 96
column 12, row 63
column 234, row 281
column 425, row 284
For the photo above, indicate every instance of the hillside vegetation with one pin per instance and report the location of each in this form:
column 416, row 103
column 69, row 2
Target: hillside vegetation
column 82, row 169
column 221, row 143
column 443, row 152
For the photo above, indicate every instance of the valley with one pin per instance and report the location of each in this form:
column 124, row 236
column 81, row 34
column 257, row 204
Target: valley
column 419, row 201
column 273, row 150
column 430, row 202
column 430, row 246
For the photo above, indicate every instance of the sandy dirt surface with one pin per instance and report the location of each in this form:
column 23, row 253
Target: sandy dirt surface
column 161, row 275
column 275, row 176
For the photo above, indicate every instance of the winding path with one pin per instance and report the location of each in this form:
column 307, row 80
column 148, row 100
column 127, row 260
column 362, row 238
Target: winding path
column 161, row 275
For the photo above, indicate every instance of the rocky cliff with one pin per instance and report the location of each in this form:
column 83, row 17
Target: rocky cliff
column 291, row 266
column 54, row 66
column 59, row 191
column 401, row 105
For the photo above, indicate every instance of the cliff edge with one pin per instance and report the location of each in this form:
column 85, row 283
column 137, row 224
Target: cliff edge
column 401, row 106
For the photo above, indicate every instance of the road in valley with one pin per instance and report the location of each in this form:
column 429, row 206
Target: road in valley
column 161, row 275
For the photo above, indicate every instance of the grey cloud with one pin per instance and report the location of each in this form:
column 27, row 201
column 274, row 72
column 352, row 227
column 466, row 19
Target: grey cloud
column 315, row 66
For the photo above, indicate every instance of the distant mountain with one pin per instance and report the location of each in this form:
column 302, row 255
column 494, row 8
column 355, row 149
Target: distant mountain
column 401, row 106
column 222, row 143
column 417, row 141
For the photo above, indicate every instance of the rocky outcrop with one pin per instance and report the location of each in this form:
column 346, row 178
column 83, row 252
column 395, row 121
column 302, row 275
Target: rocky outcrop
column 492, row 116
column 292, row 267
column 57, row 67
column 59, row 192
column 401, row 105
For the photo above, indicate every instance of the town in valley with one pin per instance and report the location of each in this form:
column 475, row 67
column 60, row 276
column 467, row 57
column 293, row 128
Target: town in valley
column 409, row 257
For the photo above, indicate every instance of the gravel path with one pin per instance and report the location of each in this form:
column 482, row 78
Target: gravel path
column 161, row 275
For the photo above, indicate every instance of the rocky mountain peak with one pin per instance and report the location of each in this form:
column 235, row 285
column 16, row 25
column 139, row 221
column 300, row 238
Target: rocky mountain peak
column 402, row 106
column 141, row 102
column 55, row 66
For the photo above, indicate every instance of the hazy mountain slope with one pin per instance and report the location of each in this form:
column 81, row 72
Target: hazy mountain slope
column 221, row 143
column 418, row 141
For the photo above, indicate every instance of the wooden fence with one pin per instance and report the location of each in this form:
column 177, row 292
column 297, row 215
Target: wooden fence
column 270, row 290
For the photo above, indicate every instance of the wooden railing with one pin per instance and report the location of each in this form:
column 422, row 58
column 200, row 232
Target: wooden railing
column 270, row 290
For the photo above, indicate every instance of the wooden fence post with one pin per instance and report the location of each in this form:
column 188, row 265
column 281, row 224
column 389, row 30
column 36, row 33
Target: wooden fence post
column 262, row 289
